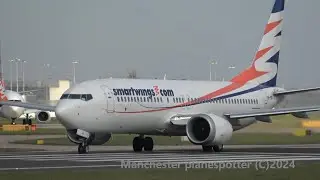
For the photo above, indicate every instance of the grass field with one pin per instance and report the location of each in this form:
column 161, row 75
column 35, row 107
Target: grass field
column 283, row 121
column 39, row 131
column 252, row 138
column 279, row 123
column 300, row 171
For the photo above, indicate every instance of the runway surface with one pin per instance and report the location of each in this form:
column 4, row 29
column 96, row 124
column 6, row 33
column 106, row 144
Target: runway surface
column 120, row 159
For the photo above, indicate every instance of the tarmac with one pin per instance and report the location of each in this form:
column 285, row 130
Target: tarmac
column 46, row 157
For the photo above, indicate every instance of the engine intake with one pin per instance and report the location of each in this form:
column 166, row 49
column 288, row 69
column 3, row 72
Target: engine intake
column 208, row 129
column 43, row 116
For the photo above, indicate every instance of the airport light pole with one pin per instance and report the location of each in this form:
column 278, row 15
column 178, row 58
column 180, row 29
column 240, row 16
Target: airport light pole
column 11, row 61
column 74, row 71
column 22, row 65
column 215, row 74
column 17, row 73
column 45, row 66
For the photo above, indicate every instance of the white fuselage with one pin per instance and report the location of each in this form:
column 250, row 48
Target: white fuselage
column 12, row 112
column 124, row 105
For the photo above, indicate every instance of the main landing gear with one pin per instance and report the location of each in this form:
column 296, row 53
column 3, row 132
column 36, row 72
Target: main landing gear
column 140, row 143
column 216, row 148
column 25, row 121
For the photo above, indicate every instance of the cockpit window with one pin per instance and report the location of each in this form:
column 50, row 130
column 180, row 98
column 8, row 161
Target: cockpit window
column 74, row 96
column 15, row 100
column 84, row 97
column 64, row 96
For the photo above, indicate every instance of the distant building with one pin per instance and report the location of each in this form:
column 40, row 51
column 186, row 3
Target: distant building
column 55, row 92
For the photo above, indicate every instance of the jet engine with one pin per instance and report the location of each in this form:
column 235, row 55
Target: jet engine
column 208, row 129
column 43, row 116
column 96, row 139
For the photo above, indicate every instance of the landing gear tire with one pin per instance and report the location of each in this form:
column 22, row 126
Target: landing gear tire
column 137, row 144
column 207, row 148
column 83, row 149
column 13, row 121
column 140, row 143
column 148, row 144
column 218, row 148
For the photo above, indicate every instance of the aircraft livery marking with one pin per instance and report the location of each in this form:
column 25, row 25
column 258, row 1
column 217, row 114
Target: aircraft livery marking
column 142, row 92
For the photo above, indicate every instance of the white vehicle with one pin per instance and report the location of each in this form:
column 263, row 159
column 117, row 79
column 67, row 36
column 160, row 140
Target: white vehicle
column 207, row 112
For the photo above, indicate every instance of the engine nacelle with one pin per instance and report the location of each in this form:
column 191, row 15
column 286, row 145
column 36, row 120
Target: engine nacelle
column 96, row 139
column 43, row 116
column 208, row 129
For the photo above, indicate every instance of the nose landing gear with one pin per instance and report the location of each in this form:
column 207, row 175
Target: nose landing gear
column 83, row 148
column 140, row 143
column 13, row 121
column 87, row 138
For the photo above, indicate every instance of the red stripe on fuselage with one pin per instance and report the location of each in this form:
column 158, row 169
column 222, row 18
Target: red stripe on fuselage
column 237, row 82
column 214, row 94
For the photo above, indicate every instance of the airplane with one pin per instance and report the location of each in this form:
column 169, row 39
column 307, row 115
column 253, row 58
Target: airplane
column 15, row 112
column 207, row 112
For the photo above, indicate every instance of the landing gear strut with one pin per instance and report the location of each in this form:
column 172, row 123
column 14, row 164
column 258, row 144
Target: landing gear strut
column 27, row 120
column 140, row 143
column 216, row 148
column 83, row 148
column 13, row 121
column 87, row 139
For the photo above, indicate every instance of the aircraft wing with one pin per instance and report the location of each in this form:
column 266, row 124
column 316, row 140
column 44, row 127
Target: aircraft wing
column 289, row 92
column 273, row 112
column 181, row 120
column 29, row 105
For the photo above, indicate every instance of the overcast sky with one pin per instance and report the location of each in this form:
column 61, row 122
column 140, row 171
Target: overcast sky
column 176, row 37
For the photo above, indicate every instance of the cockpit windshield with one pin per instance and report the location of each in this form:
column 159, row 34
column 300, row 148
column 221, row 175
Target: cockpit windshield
column 84, row 97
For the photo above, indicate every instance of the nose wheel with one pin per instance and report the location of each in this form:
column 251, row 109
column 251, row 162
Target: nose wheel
column 13, row 121
column 140, row 143
column 83, row 148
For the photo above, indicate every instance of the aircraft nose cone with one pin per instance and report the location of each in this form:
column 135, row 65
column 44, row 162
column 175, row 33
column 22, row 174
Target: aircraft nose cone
column 12, row 111
column 64, row 115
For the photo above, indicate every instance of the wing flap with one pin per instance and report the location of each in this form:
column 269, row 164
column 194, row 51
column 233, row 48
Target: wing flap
column 28, row 105
column 274, row 112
